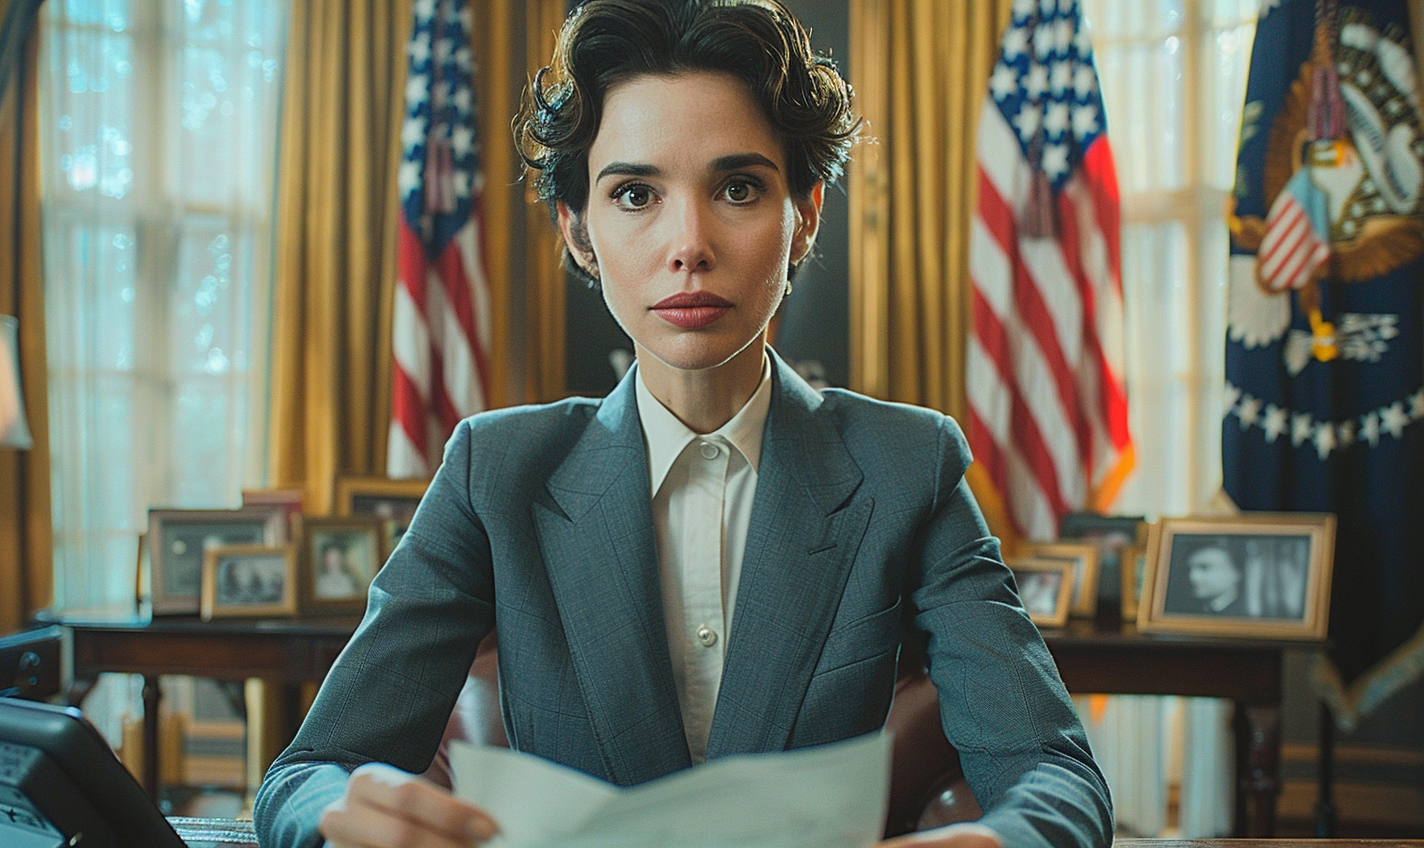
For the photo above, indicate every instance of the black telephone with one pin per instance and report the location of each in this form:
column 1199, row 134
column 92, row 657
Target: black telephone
column 62, row 787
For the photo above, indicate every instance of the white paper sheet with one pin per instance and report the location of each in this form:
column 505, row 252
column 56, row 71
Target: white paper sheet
column 833, row 796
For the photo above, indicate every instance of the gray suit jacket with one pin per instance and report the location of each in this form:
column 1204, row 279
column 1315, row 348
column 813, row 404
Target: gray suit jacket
column 539, row 521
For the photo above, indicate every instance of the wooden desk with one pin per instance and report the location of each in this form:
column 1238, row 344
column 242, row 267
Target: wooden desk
column 283, row 653
column 1092, row 658
column 1268, row 843
column 221, row 833
column 225, row 833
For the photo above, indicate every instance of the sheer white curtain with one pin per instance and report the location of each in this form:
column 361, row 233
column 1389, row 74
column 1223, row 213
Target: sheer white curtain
column 159, row 139
column 1173, row 75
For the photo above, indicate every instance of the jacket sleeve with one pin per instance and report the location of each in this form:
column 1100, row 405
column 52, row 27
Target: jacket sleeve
column 1002, row 703
column 389, row 694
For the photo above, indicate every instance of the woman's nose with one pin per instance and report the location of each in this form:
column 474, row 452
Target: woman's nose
column 691, row 246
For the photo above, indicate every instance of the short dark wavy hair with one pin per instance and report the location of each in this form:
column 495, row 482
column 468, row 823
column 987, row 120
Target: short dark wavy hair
column 606, row 42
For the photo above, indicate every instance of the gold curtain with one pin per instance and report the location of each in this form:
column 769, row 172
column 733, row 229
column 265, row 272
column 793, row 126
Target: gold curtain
column 336, row 208
column 920, row 70
column 337, row 222
column 26, row 572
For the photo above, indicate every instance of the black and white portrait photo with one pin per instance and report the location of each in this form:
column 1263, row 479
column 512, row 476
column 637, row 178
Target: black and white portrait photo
column 249, row 581
column 1239, row 577
column 1260, row 574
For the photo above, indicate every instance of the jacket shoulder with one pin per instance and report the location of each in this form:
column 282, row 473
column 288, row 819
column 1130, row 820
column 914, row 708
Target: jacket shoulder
column 533, row 421
column 905, row 451
column 508, row 448
column 859, row 417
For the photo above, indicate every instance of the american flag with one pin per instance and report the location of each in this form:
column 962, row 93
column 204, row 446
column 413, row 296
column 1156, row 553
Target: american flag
column 1047, row 400
column 1297, row 238
column 441, row 324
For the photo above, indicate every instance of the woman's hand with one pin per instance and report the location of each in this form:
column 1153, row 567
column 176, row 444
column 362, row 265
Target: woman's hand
column 963, row 835
column 385, row 807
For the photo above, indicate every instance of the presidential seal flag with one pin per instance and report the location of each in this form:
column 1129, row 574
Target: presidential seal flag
column 440, row 328
column 1045, row 378
column 1324, row 409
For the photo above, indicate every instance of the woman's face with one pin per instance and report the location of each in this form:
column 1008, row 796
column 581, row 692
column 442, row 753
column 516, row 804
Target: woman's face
column 1212, row 573
column 691, row 217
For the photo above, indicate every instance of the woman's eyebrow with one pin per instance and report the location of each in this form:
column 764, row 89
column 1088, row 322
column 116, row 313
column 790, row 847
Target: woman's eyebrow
column 736, row 161
column 628, row 169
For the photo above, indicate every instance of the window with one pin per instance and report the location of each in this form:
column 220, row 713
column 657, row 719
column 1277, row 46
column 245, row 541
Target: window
column 1173, row 74
column 159, row 128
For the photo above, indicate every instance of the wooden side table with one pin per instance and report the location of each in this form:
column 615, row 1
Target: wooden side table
column 283, row 653
column 1093, row 658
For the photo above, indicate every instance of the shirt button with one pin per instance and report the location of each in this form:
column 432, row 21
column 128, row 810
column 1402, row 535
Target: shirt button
column 709, row 450
column 707, row 636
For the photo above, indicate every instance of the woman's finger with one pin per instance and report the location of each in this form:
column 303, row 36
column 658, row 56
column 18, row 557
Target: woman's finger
column 360, row 826
column 386, row 806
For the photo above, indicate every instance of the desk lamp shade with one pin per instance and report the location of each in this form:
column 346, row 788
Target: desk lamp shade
column 14, row 431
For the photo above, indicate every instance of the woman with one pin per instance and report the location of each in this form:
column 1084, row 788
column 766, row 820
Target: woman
column 337, row 578
column 715, row 559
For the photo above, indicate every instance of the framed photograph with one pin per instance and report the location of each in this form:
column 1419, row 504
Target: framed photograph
column 392, row 501
column 141, row 572
column 1257, row 574
column 1046, row 589
column 1111, row 534
column 178, row 538
column 1082, row 558
column 249, row 581
column 288, row 500
column 1133, row 573
column 340, row 557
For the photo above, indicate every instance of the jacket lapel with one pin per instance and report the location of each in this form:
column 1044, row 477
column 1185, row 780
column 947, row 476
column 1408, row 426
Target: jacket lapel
column 805, row 531
column 599, row 549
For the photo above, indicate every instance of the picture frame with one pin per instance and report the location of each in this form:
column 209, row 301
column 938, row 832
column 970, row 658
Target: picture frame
column 1045, row 588
column 1132, row 573
column 1082, row 557
column 390, row 499
column 1262, row 575
column 178, row 538
column 1111, row 534
column 249, row 581
column 288, row 500
column 339, row 558
column 141, row 572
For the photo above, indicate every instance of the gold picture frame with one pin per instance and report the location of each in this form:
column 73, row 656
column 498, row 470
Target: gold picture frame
column 1083, row 559
column 1045, row 588
column 178, row 538
column 391, row 500
column 1261, row 575
column 339, row 558
column 249, row 581
column 1132, row 573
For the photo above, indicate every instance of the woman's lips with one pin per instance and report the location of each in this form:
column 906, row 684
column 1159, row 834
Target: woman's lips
column 691, row 310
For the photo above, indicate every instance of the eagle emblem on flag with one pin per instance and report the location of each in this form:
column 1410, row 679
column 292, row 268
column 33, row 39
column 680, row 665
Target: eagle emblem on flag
column 1346, row 192
column 1324, row 398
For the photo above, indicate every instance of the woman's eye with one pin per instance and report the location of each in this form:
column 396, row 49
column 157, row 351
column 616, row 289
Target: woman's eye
column 741, row 191
column 633, row 196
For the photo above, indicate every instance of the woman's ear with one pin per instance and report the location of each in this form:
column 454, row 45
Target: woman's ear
column 808, row 221
column 575, row 234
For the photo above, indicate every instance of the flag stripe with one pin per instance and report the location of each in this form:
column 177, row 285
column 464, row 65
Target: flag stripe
column 1045, row 363
column 1040, row 363
column 440, row 336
